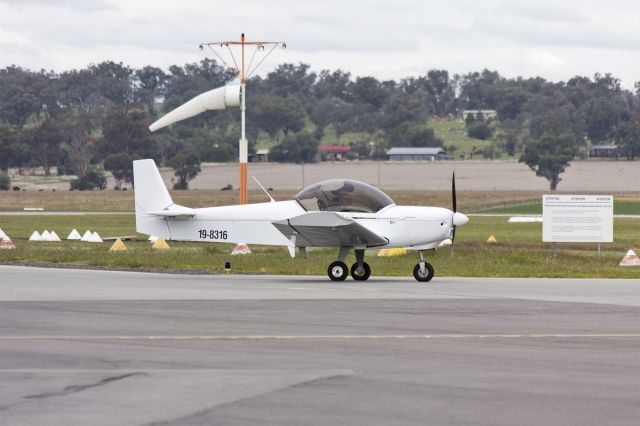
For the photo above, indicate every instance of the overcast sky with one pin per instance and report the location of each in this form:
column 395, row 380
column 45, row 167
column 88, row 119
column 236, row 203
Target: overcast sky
column 389, row 39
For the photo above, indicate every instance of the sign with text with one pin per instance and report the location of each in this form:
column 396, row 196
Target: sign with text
column 577, row 218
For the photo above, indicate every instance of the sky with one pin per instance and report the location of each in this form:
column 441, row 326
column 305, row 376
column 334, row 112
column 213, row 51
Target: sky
column 382, row 38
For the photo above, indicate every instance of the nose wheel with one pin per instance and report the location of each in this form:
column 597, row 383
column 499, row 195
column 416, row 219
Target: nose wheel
column 423, row 271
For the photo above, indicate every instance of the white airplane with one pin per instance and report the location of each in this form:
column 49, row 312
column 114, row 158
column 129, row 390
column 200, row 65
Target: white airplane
column 341, row 213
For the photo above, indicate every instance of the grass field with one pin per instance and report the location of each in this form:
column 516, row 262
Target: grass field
column 519, row 252
column 453, row 132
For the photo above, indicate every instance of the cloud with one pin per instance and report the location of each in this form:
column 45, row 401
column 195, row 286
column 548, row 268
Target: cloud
column 387, row 39
column 12, row 38
column 81, row 5
column 542, row 12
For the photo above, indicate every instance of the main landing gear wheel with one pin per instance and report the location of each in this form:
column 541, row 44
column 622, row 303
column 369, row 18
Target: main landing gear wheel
column 338, row 271
column 363, row 274
column 423, row 275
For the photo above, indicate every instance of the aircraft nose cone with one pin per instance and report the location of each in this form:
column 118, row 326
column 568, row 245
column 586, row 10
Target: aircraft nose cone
column 459, row 219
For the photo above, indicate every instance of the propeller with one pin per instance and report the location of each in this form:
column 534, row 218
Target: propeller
column 456, row 218
column 454, row 205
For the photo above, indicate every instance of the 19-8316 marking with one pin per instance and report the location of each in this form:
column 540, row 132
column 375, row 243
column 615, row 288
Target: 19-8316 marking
column 213, row 234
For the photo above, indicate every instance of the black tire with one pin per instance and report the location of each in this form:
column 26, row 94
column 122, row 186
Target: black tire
column 365, row 276
column 338, row 271
column 420, row 277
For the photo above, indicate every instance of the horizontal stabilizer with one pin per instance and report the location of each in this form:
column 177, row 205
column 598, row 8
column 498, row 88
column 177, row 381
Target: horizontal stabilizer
column 174, row 211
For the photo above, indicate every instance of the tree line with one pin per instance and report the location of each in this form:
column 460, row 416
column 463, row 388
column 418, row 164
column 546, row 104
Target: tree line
column 84, row 121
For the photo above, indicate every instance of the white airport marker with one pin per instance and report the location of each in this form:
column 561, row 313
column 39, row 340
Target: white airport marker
column 87, row 235
column 74, row 235
column 95, row 238
column 35, row 236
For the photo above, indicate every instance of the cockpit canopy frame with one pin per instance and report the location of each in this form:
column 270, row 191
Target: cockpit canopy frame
column 343, row 195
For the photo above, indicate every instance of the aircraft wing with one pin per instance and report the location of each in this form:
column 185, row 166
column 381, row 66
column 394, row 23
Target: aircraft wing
column 327, row 229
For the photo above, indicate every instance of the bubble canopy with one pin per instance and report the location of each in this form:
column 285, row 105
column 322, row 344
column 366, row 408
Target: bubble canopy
column 343, row 195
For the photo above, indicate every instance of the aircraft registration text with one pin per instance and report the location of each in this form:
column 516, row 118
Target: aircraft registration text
column 213, row 234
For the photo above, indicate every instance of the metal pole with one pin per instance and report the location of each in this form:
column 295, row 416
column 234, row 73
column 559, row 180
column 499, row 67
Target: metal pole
column 244, row 146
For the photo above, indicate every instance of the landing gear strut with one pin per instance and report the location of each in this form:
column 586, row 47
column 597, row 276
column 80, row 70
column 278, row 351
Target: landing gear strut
column 423, row 271
column 338, row 270
column 360, row 271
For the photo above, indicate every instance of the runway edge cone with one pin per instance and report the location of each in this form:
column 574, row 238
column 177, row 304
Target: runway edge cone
column 160, row 244
column 118, row 246
column 630, row 259
column 7, row 244
column 241, row 248
column 492, row 240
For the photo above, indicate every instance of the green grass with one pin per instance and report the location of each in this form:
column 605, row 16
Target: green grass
column 453, row 132
column 624, row 207
column 519, row 253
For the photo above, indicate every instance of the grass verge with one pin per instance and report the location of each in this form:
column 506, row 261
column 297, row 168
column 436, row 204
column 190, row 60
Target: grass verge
column 519, row 252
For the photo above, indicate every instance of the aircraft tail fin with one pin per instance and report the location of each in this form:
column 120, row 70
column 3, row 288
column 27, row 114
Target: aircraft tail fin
column 151, row 195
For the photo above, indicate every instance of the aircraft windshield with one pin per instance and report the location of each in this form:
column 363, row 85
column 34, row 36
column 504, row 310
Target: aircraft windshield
column 343, row 195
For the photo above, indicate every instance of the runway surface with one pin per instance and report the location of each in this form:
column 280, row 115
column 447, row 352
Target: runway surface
column 113, row 348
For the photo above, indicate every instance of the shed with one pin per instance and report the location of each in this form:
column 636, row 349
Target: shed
column 333, row 152
column 486, row 113
column 604, row 151
column 261, row 156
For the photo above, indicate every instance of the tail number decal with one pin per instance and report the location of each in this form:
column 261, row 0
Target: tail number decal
column 213, row 234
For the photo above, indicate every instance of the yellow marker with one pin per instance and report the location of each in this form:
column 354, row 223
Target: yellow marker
column 160, row 244
column 118, row 246
column 392, row 252
column 492, row 240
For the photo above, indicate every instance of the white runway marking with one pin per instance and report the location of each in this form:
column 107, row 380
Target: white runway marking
column 335, row 336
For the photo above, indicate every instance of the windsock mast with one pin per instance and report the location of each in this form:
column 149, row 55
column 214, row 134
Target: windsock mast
column 243, row 71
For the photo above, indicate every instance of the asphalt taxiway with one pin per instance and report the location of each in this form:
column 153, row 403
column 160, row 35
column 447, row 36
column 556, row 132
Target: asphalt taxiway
column 102, row 348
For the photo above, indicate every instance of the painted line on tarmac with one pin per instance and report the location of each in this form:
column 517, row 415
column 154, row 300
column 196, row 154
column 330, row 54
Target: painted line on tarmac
column 333, row 337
